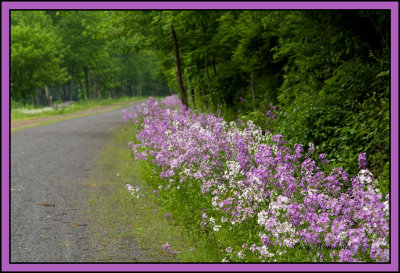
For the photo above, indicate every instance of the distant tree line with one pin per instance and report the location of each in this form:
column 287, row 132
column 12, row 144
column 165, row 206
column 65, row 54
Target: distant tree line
column 54, row 58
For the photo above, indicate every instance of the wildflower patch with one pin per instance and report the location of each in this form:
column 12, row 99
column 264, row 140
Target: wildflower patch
column 250, row 190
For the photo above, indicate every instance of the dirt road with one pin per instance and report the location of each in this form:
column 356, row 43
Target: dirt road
column 50, row 165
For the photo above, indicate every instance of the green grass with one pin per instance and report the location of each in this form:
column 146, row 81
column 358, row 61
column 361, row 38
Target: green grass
column 121, row 223
column 17, row 115
column 54, row 121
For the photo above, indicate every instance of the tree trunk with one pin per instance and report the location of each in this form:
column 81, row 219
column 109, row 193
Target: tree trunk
column 71, row 88
column 81, row 89
column 209, row 83
column 64, row 92
column 95, row 85
column 45, row 96
column 88, row 94
column 37, row 99
column 206, row 64
column 178, row 67
column 201, row 90
column 59, row 93
column 46, row 92
column 215, row 70
column 193, row 98
column 253, row 93
column 192, row 93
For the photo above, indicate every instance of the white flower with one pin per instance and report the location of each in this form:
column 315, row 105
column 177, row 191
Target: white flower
column 234, row 168
column 240, row 254
column 386, row 208
column 284, row 199
column 216, row 227
column 212, row 220
column 214, row 201
column 264, row 251
column 311, row 191
column 342, row 235
column 262, row 217
column 175, row 123
column 368, row 227
column 35, row 111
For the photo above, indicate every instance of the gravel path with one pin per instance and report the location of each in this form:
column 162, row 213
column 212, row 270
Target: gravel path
column 50, row 165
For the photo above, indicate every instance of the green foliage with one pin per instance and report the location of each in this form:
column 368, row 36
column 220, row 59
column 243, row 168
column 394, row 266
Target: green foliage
column 36, row 54
column 70, row 53
column 333, row 89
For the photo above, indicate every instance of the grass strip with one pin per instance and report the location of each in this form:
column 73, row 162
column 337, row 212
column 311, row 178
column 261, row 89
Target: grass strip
column 69, row 116
column 130, row 229
column 17, row 115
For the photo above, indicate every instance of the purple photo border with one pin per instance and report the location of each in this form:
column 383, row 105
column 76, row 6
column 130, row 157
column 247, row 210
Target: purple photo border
column 5, row 141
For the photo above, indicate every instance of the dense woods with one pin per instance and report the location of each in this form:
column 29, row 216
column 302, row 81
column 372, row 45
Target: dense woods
column 54, row 57
column 317, row 77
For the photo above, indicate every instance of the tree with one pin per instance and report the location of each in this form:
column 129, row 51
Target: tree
column 36, row 54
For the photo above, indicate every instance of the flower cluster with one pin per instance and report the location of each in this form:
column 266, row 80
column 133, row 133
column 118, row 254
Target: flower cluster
column 167, row 248
column 171, row 101
column 271, row 113
column 133, row 190
column 61, row 105
column 35, row 111
column 247, row 174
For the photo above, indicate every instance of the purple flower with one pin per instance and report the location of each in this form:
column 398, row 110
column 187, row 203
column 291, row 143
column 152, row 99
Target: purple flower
column 362, row 159
column 322, row 157
column 346, row 256
column 167, row 215
column 265, row 239
column 171, row 101
column 166, row 246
